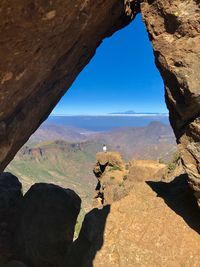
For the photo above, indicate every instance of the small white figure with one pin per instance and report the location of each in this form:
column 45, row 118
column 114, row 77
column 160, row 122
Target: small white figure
column 104, row 148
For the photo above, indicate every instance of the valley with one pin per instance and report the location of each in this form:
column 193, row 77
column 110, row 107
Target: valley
column 65, row 155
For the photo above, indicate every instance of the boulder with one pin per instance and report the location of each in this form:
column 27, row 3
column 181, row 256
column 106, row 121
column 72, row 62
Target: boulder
column 46, row 226
column 10, row 191
column 10, row 198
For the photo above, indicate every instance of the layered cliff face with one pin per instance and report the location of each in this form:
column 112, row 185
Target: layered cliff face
column 45, row 44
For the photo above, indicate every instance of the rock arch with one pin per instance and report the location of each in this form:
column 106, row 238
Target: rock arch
column 45, row 44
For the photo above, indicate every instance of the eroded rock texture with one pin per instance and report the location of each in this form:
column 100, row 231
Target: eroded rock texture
column 111, row 173
column 116, row 178
column 45, row 44
column 174, row 30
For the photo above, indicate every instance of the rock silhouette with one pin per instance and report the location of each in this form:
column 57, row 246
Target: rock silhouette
column 10, row 198
column 45, row 228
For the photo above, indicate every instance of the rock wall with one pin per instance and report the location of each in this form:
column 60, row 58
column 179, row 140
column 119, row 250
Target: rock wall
column 45, row 44
column 174, row 30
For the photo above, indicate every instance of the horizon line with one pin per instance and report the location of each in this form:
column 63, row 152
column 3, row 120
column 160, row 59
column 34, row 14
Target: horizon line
column 112, row 115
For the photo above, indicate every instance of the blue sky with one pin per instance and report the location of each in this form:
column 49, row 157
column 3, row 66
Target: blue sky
column 121, row 76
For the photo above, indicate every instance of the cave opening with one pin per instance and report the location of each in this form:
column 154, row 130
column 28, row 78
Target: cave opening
column 46, row 215
column 121, row 78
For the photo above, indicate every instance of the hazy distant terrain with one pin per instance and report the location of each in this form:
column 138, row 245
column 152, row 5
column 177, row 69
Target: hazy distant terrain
column 65, row 155
column 154, row 141
column 107, row 122
column 55, row 132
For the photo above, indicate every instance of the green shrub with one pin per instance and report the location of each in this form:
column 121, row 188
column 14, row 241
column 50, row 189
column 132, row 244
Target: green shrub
column 176, row 157
column 112, row 177
column 172, row 164
column 121, row 184
column 79, row 223
column 125, row 177
column 115, row 168
column 161, row 161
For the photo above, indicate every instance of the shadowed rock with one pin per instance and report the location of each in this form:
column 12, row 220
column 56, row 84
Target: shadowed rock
column 10, row 197
column 15, row 264
column 10, row 190
column 46, row 226
column 90, row 239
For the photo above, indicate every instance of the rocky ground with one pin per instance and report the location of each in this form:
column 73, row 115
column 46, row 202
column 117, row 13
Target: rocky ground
column 156, row 224
column 144, row 216
column 155, row 220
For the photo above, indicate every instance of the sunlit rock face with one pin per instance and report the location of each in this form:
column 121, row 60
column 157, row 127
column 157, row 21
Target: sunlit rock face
column 45, row 44
column 174, row 30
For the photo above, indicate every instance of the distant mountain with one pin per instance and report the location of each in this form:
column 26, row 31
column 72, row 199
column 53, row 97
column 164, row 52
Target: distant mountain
column 65, row 155
column 50, row 131
column 152, row 142
column 125, row 112
column 129, row 112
